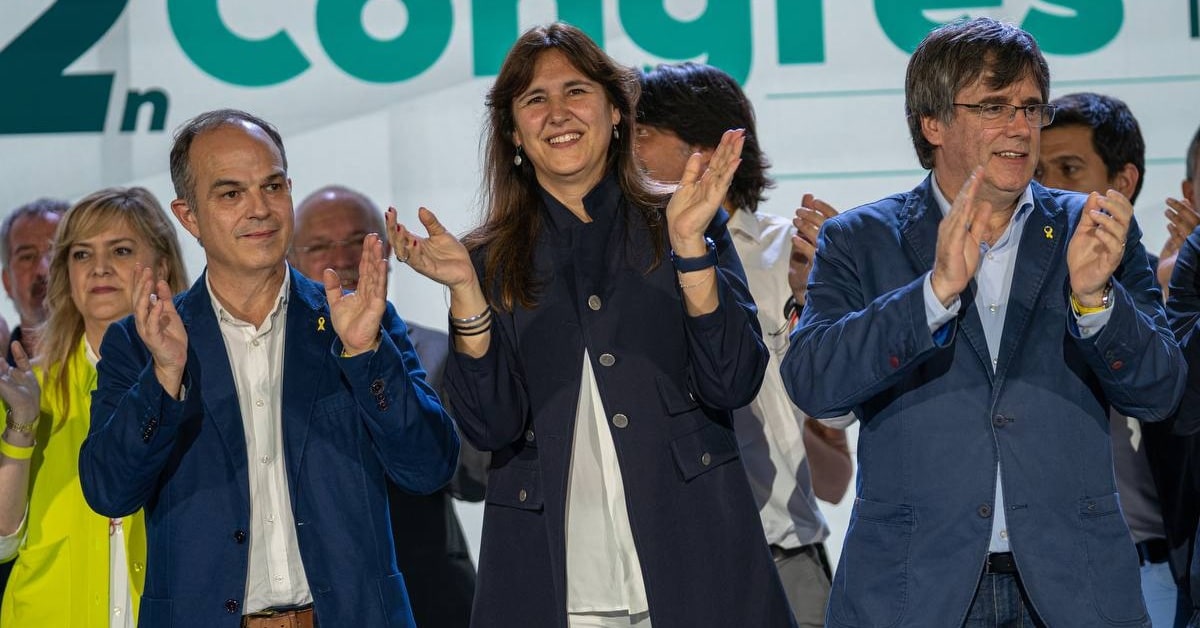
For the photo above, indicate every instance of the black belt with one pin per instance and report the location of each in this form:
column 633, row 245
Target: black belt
column 1000, row 563
column 1153, row 551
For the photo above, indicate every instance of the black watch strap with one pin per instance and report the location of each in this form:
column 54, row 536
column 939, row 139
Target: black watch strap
column 691, row 264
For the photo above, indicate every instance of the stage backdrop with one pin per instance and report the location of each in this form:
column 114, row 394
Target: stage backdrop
column 387, row 95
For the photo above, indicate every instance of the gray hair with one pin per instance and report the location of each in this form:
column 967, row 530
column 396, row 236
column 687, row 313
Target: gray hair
column 42, row 207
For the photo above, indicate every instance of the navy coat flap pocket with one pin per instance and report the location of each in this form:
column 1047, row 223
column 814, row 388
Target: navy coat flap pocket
column 674, row 400
column 515, row 487
column 1099, row 506
column 702, row 450
column 880, row 512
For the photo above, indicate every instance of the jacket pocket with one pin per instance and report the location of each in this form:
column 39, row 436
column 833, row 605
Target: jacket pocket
column 1112, row 560
column 703, row 450
column 674, row 400
column 393, row 597
column 515, row 487
column 871, row 585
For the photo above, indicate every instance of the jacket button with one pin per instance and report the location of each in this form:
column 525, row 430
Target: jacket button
column 382, row 404
column 594, row 303
column 239, row 536
column 376, row 386
column 138, row 567
column 999, row 420
column 231, row 606
column 705, row 459
column 985, row 510
column 620, row 420
column 607, row 359
column 529, row 436
column 522, row 495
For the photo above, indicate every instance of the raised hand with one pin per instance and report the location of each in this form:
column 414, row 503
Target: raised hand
column 19, row 387
column 811, row 214
column 1098, row 245
column 959, row 236
column 356, row 316
column 160, row 328
column 1182, row 219
column 699, row 194
column 440, row 256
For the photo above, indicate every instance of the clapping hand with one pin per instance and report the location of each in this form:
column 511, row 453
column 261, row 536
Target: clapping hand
column 160, row 328
column 699, row 194
column 356, row 316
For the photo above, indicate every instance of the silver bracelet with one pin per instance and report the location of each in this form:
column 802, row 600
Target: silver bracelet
column 470, row 319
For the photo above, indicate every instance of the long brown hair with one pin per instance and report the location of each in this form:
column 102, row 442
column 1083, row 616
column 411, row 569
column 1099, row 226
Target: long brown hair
column 94, row 213
column 510, row 193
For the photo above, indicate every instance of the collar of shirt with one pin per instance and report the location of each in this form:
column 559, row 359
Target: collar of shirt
column 1024, row 205
column 600, row 203
column 224, row 317
column 745, row 223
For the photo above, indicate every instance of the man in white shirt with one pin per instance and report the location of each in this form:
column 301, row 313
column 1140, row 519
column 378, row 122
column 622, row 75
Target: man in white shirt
column 258, row 416
column 790, row 462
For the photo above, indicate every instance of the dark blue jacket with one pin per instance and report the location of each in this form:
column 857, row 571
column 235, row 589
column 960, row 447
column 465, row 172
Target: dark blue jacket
column 348, row 425
column 936, row 419
column 675, row 379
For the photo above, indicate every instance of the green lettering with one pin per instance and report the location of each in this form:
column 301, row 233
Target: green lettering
column 1094, row 25
column 722, row 31
column 494, row 28
column 800, row 26
column 340, row 28
column 904, row 22
column 205, row 39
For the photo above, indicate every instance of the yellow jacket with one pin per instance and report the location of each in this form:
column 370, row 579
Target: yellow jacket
column 61, row 575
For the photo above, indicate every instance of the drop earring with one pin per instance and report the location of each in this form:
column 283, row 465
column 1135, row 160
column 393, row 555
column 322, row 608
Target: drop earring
column 616, row 133
column 517, row 160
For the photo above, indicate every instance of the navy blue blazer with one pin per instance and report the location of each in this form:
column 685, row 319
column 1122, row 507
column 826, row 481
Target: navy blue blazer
column 936, row 419
column 1181, row 495
column 348, row 426
column 672, row 378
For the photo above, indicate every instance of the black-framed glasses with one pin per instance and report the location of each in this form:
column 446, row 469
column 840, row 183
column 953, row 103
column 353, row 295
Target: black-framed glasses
column 323, row 248
column 998, row 114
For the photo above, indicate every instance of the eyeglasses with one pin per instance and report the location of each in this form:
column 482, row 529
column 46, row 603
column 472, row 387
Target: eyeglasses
column 997, row 114
column 353, row 244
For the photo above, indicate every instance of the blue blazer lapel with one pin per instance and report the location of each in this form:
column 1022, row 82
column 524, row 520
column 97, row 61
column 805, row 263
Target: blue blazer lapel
column 307, row 341
column 919, row 227
column 212, row 377
column 1041, row 249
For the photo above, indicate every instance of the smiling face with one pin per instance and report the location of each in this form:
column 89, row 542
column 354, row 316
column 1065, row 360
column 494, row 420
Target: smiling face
column 101, row 272
column 564, row 123
column 243, row 215
column 1008, row 153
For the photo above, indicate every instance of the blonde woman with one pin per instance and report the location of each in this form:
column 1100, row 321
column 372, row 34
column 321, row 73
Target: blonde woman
column 74, row 567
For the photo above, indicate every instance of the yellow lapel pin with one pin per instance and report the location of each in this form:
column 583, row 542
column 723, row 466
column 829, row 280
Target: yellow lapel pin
column 320, row 323
column 1049, row 231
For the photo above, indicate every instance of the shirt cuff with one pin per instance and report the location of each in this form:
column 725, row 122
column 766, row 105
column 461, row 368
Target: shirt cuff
column 11, row 543
column 1090, row 324
column 936, row 315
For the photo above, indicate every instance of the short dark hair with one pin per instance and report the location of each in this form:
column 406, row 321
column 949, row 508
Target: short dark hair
column 181, row 166
column 953, row 57
column 699, row 102
column 41, row 207
column 1193, row 156
column 1116, row 136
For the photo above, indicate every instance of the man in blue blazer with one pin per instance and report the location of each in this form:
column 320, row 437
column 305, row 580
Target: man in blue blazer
column 257, row 417
column 980, row 326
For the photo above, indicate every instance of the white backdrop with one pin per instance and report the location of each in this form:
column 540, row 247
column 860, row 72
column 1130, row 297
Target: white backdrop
column 389, row 114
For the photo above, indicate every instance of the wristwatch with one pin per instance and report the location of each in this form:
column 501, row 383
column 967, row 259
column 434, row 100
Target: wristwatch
column 691, row 264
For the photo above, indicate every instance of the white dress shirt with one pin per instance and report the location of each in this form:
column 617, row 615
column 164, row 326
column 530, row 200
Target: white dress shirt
column 603, row 571
column 770, row 431
column 276, row 573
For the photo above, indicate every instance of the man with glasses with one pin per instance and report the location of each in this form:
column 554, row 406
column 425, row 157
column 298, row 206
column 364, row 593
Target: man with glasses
column 431, row 550
column 980, row 326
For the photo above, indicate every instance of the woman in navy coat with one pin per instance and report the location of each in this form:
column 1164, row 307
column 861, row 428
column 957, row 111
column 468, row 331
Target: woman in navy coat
column 601, row 337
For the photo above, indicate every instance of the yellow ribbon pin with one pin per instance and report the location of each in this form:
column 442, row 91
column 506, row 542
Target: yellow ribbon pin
column 1049, row 231
column 320, row 323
